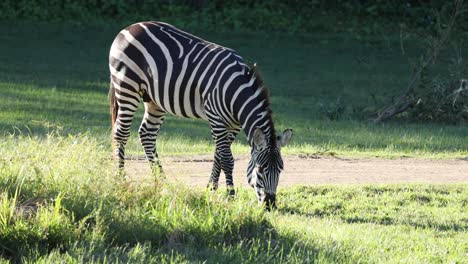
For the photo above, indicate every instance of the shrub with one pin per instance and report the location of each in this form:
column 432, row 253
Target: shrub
column 290, row 16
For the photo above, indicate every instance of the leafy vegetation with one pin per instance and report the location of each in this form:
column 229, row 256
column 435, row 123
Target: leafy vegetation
column 433, row 93
column 359, row 17
column 61, row 202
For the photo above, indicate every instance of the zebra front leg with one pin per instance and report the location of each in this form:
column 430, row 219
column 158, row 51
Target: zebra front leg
column 223, row 160
column 148, row 132
column 228, row 167
column 217, row 132
column 215, row 172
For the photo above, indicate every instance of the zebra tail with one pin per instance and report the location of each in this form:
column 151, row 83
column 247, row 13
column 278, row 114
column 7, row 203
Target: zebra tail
column 113, row 108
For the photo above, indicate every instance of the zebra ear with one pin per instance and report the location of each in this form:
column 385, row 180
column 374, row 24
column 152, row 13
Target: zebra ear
column 284, row 138
column 259, row 140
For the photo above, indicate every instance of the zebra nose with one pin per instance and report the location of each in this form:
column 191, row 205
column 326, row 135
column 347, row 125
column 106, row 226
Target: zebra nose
column 270, row 201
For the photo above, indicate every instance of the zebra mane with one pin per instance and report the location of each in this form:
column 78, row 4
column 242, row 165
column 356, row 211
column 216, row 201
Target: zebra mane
column 264, row 95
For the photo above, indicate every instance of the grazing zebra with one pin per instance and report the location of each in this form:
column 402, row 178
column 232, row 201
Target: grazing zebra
column 174, row 72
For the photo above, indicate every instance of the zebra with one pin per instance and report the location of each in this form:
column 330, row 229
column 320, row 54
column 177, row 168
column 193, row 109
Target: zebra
column 175, row 72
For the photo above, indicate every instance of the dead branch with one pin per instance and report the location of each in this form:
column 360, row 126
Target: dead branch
column 407, row 99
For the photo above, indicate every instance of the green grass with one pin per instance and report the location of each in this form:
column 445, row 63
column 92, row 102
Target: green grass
column 61, row 202
column 60, row 199
column 55, row 78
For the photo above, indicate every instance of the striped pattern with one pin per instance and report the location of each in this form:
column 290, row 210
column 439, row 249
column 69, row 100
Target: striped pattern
column 174, row 72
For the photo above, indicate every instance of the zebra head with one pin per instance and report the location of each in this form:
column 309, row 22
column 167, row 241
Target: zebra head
column 266, row 165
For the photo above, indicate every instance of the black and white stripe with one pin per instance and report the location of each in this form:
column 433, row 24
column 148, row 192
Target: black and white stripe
column 178, row 73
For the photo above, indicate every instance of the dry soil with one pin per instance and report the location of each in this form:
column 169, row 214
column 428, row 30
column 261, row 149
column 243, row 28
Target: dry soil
column 309, row 170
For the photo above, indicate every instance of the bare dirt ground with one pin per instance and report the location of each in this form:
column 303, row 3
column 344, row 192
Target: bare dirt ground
column 309, row 170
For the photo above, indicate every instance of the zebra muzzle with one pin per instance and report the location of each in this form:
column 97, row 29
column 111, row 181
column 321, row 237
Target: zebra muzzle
column 269, row 201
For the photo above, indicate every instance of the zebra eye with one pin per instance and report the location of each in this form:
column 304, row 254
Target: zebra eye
column 260, row 169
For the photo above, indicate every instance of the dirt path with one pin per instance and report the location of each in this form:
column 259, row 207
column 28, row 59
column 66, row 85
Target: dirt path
column 195, row 170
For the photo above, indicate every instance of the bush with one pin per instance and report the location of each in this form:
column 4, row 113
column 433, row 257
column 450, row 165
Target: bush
column 444, row 101
column 288, row 16
column 334, row 110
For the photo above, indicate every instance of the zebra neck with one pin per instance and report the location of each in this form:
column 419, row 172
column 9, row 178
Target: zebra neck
column 262, row 121
column 250, row 105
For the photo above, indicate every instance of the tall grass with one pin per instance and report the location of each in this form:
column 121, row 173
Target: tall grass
column 66, row 185
column 62, row 201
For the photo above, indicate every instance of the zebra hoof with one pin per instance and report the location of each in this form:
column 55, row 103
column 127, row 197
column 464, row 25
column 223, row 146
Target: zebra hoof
column 158, row 173
column 121, row 175
column 231, row 193
column 212, row 187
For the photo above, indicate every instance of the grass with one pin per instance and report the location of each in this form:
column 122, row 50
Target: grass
column 60, row 202
column 67, row 92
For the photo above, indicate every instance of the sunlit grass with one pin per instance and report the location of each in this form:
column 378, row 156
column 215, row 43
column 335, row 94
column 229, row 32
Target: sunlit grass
column 61, row 200
column 29, row 109
column 67, row 92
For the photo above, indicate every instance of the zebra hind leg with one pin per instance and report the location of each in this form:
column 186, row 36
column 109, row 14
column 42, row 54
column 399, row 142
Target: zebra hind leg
column 121, row 131
column 148, row 132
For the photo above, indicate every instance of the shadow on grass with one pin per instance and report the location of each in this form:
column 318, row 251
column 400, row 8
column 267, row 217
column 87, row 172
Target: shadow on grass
column 253, row 241
column 385, row 220
column 77, row 72
column 412, row 205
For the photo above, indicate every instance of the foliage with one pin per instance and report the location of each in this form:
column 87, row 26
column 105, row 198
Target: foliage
column 441, row 100
column 432, row 94
column 360, row 17
column 333, row 110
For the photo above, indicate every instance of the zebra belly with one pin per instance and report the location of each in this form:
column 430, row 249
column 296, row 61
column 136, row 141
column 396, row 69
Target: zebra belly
column 188, row 109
